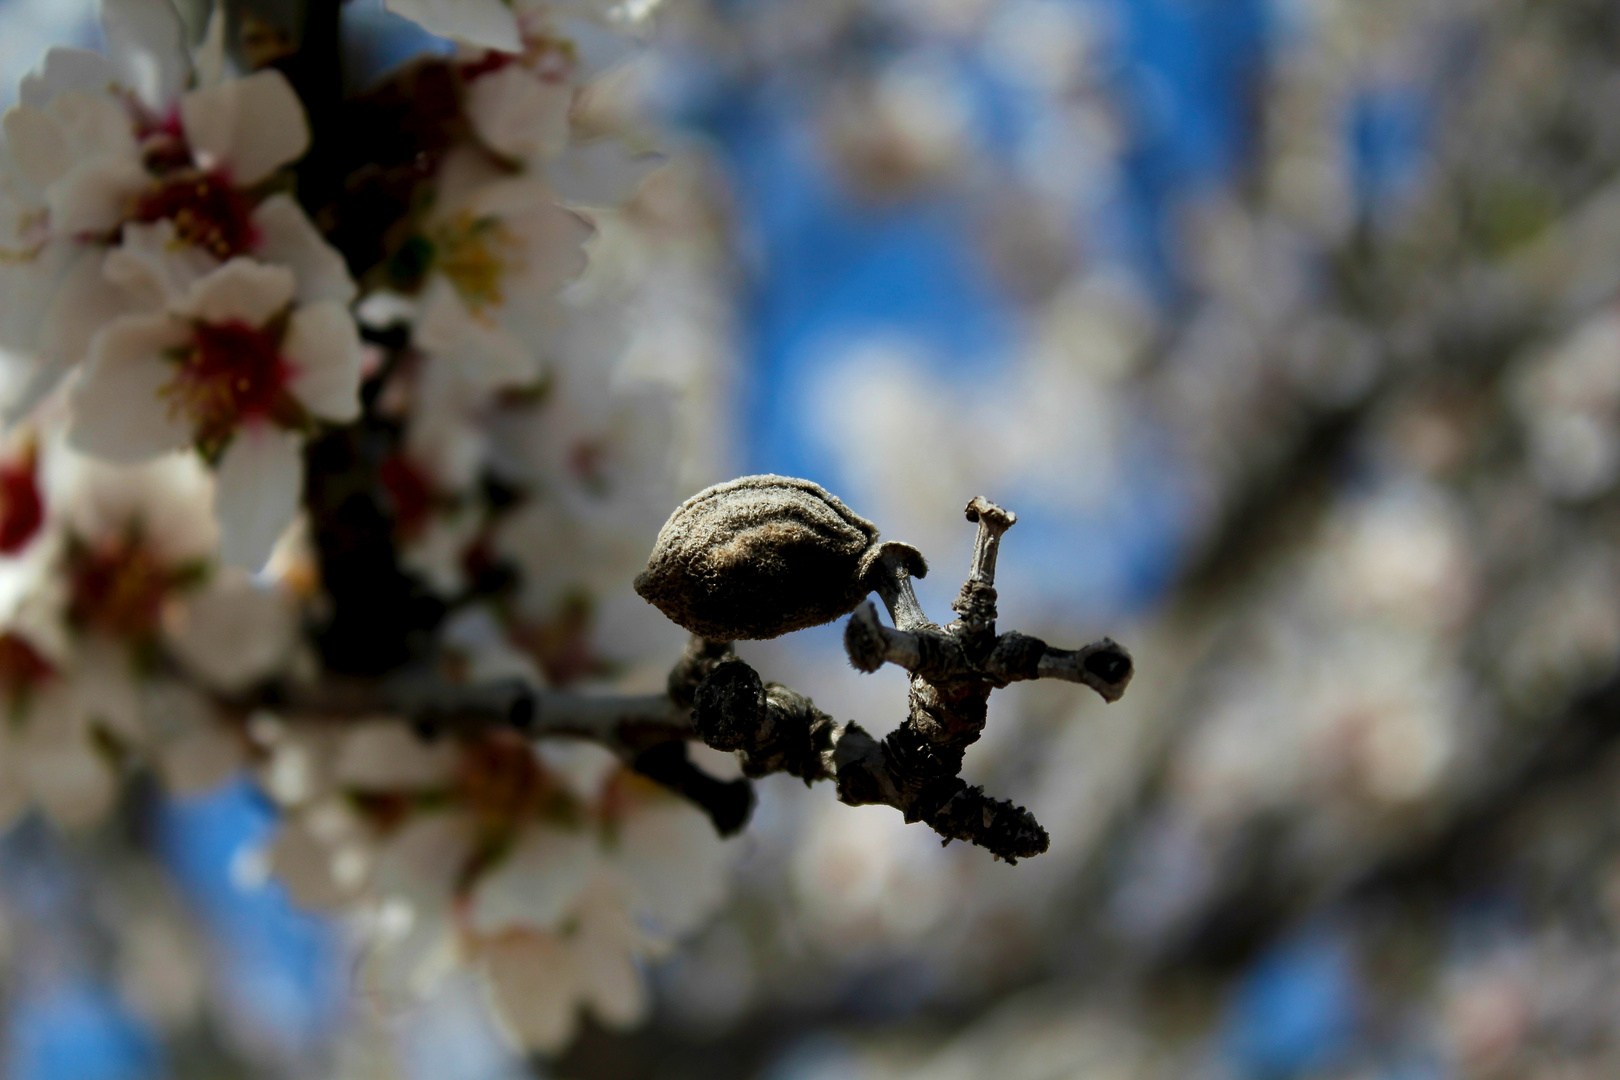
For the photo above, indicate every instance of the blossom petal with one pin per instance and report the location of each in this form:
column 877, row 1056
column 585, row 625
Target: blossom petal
column 413, row 945
column 71, row 782
column 170, row 496
column 119, row 411
column 288, row 238
column 533, row 981
column 675, row 863
column 62, row 70
column 488, row 23
column 37, row 144
column 79, row 302
column 553, row 237
column 26, row 289
column 385, row 755
column 234, row 633
column 95, row 122
column 194, row 749
column 425, row 856
column 583, row 767
column 95, row 195
column 199, row 761
column 147, row 42
column 250, row 126
column 537, row 884
column 463, row 176
column 438, row 555
column 442, row 439
column 104, row 690
column 210, row 54
column 256, row 492
column 519, row 115
column 601, row 173
column 76, row 129
column 72, row 785
column 609, row 981
column 153, row 268
column 240, row 290
column 303, row 864
column 477, row 355
column 323, row 346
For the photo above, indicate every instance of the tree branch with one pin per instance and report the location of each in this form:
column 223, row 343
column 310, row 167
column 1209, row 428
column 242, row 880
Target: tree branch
column 953, row 670
column 648, row 732
column 775, row 729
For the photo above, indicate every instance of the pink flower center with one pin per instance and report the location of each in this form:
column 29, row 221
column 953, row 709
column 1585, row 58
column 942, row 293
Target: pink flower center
column 231, row 372
column 207, row 210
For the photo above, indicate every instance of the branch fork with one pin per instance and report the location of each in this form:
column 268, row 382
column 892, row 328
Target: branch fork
column 916, row 767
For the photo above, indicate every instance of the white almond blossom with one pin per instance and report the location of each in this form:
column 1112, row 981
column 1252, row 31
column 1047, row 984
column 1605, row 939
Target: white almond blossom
column 522, row 105
column 519, row 105
column 95, row 164
column 600, row 456
column 122, row 572
column 236, row 367
column 179, row 342
column 494, row 854
column 498, row 245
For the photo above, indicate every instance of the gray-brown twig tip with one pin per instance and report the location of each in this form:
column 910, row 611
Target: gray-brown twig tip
column 1105, row 666
column 864, row 640
column 980, row 508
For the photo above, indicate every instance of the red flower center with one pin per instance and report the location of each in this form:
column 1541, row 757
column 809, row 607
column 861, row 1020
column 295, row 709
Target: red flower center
column 21, row 667
column 21, row 508
column 490, row 62
column 550, row 59
column 502, row 783
column 562, row 644
column 207, row 210
column 229, row 372
column 118, row 587
column 411, row 493
column 589, row 460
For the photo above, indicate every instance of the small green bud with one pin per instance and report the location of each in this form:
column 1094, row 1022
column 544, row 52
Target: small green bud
column 760, row 556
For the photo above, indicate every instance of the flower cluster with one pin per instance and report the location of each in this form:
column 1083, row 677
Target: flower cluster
column 549, row 872
column 286, row 406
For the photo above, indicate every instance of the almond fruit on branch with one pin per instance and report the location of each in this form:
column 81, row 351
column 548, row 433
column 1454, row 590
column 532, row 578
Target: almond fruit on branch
column 764, row 555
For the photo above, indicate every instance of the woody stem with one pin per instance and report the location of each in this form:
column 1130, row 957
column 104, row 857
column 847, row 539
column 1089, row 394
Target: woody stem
column 976, row 603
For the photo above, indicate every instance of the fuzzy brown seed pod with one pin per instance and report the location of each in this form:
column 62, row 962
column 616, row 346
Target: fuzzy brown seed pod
column 760, row 556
